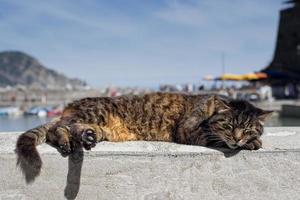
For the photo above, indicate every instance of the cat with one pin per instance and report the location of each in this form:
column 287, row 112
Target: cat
column 205, row 120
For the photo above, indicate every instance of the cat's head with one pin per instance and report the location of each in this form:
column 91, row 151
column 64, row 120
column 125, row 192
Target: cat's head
column 236, row 122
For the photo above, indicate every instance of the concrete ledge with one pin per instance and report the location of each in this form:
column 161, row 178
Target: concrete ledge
column 156, row 170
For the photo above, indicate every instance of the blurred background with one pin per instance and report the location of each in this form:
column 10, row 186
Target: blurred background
column 53, row 52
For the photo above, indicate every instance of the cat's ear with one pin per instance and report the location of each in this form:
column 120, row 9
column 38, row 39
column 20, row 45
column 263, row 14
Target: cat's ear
column 216, row 105
column 263, row 115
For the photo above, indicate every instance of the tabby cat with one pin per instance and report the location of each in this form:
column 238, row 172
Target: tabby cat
column 205, row 120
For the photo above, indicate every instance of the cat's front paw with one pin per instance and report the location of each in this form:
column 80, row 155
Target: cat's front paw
column 65, row 148
column 253, row 145
column 89, row 139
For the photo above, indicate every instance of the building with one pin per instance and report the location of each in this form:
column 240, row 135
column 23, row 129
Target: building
column 284, row 70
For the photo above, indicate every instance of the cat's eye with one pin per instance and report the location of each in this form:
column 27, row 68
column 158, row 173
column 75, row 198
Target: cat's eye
column 227, row 126
column 248, row 131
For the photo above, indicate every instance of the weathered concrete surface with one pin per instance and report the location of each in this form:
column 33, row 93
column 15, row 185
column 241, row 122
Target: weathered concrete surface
column 144, row 170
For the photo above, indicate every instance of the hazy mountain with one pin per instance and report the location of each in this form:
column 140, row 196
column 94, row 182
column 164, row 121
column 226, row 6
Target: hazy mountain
column 18, row 68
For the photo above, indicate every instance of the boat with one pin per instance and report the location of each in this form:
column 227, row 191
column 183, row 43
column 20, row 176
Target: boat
column 55, row 111
column 10, row 111
column 38, row 111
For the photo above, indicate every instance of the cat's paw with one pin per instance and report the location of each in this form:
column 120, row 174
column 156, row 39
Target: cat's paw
column 89, row 139
column 253, row 145
column 65, row 148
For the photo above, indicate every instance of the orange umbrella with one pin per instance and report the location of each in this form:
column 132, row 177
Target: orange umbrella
column 243, row 77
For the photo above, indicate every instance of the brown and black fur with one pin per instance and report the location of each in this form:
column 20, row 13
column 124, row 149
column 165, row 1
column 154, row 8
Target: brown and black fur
column 206, row 120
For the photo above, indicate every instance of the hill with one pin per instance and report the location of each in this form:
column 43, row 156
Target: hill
column 18, row 68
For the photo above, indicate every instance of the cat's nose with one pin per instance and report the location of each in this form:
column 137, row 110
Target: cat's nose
column 236, row 139
column 237, row 134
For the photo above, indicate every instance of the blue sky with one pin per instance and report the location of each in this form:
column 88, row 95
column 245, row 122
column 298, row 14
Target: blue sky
column 142, row 42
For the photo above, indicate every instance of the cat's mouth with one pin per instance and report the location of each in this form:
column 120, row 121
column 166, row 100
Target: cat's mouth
column 236, row 145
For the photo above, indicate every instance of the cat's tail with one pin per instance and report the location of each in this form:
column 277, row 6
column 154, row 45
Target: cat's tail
column 28, row 158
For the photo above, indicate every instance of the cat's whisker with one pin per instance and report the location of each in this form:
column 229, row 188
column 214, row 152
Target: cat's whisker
column 213, row 137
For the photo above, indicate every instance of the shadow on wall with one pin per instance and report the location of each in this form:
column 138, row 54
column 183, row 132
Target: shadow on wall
column 227, row 152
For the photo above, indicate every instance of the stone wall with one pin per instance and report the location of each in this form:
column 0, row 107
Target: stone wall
column 156, row 170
